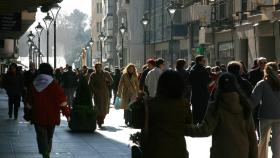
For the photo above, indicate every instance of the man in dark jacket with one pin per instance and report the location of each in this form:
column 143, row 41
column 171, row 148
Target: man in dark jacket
column 199, row 78
column 69, row 83
column 257, row 74
column 13, row 84
column 151, row 64
column 180, row 67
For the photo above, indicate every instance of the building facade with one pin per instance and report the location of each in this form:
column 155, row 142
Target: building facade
column 96, row 25
column 158, row 40
column 130, row 13
column 239, row 30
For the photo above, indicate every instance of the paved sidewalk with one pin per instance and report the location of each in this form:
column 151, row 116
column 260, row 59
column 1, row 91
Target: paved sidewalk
column 18, row 138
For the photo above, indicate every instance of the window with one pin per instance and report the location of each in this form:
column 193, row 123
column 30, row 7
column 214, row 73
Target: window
column 98, row 8
column 98, row 27
column 126, row 1
column 97, row 45
column 222, row 10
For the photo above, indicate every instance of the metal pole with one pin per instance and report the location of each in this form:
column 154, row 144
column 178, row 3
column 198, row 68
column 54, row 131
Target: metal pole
column 54, row 44
column 101, row 51
column 145, row 53
column 122, row 62
column 39, row 47
column 30, row 55
column 91, row 57
column 171, row 44
column 48, row 45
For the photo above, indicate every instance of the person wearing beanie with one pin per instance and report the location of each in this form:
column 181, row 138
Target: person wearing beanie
column 229, row 121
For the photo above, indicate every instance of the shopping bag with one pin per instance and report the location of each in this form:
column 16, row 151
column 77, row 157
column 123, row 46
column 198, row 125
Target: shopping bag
column 117, row 104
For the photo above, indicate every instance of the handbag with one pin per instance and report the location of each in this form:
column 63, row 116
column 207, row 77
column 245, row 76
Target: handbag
column 117, row 103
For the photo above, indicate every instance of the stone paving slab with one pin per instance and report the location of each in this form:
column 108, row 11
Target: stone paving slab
column 18, row 139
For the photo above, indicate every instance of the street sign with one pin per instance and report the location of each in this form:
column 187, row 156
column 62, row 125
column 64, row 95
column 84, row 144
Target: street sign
column 200, row 50
column 10, row 22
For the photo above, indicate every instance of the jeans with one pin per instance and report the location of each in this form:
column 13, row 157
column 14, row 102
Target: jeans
column 44, row 138
column 266, row 126
column 14, row 104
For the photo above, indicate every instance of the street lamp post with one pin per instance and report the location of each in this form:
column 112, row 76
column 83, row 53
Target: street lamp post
column 145, row 22
column 171, row 10
column 101, row 39
column 55, row 9
column 48, row 20
column 91, row 54
column 33, row 53
column 30, row 43
column 122, row 31
column 39, row 28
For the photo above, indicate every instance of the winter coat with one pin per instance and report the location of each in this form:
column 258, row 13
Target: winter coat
column 233, row 136
column 152, row 80
column 69, row 79
column 166, row 123
column 269, row 99
column 99, row 86
column 47, row 99
column 116, row 78
column 128, row 90
column 255, row 76
column 13, row 83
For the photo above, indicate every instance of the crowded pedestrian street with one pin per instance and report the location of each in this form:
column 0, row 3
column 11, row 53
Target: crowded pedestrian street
column 18, row 139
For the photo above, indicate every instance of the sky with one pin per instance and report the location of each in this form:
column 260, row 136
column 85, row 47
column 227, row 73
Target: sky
column 67, row 6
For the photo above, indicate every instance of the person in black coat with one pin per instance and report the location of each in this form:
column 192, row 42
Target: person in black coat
column 257, row 74
column 200, row 79
column 180, row 67
column 13, row 84
column 234, row 67
column 151, row 64
column 116, row 80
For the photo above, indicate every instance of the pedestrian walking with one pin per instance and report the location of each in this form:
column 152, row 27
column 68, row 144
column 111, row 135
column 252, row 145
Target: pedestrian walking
column 235, row 68
column 116, row 80
column 200, row 80
column 267, row 94
column 69, row 83
column 181, row 68
column 128, row 89
column 151, row 65
column 257, row 74
column 229, row 121
column 167, row 115
column 13, row 83
column 99, row 83
column 151, row 80
column 46, row 99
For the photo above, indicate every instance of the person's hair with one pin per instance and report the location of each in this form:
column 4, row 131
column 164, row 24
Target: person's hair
column 227, row 83
column 90, row 71
column 46, row 69
column 217, row 68
column 117, row 71
column 159, row 62
column 180, row 64
column 12, row 66
column 270, row 74
column 243, row 66
column 234, row 67
column 199, row 58
column 97, row 64
column 170, row 85
column 125, row 71
column 69, row 68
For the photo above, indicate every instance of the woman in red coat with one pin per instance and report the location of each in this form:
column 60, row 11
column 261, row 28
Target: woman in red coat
column 46, row 99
